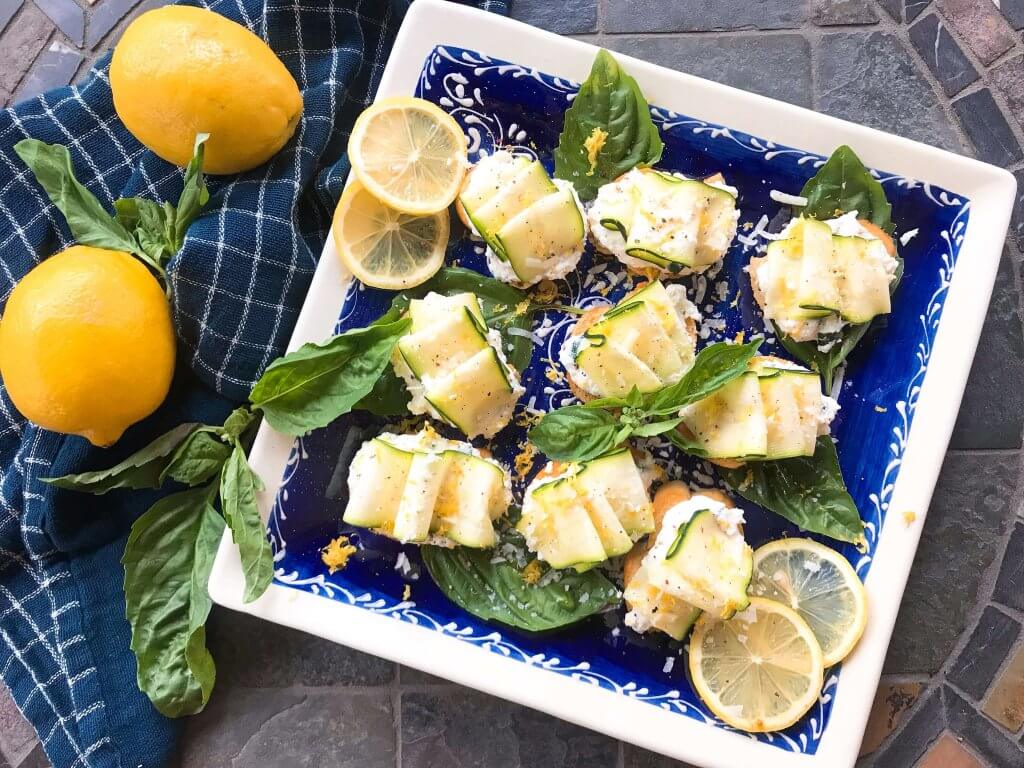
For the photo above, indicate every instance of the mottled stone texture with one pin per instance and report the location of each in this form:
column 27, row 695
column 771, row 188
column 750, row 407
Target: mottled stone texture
column 701, row 15
column 949, row 752
column 942, row 54
column 892, row 700
column 979, row 661
column 988, row 130
column 828, row 12
column 566, row 18
column 981, row 25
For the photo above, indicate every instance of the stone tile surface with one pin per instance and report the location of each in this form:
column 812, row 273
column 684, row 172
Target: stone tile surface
column 460, row 728
column 892, row 701
column 828, row 12
column 1013, row 12
column 68, row 15
column 977, row 730
column 1008, row 79
column 778, row 66
column 257, row 654
column 914, row 739
column 913, row 8
column 701, row 15
column 981, row 25
column 988, row 647
column 988, row 130
column 635, row 757
column 992, row 410
column 942, row 54
column 949, row 752
column 17, row 739
column 1005, row 702
column 971, row 508
column 566, row 18
column 1010, row 584
column 7, row 10
column 54, row 67
column 869, row 77
column 24, row 37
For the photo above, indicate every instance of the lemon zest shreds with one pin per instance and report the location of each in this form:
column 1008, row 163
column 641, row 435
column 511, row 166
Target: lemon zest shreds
column 552, row 375
column 545, row 292
column 524, row 459
column 407, row 592
column 336, row 554
column 909, row 518
column 594, row 143
column 740, row 336
column 522, row 307
column 532, row 572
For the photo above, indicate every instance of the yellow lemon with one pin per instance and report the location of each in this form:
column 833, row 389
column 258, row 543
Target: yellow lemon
column 86, row 343
column 179, row 71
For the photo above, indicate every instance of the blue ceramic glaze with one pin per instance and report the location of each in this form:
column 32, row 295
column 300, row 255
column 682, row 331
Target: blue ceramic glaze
column 503, row 104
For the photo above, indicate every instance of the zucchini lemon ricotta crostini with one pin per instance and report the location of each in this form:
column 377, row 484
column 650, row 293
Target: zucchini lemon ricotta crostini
column 533, row 225
column 817, row 276
column 665, row 223
column 454, row 366
column 774, row 410
column 648, row 341
column 426, row 489
column 695, row 560
column 579, row 514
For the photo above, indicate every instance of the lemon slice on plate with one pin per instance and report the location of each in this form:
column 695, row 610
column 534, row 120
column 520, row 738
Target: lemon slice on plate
column 818, row 583
column 386, row 248
column 409, row 153
column 759, row 671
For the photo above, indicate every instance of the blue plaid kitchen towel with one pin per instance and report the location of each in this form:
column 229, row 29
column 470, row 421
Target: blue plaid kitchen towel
column 238, row 284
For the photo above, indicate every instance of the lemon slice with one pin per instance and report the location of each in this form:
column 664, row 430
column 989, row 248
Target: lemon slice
column 409, row 153
column 759, row 671
column 818, row 583
column 386, row 248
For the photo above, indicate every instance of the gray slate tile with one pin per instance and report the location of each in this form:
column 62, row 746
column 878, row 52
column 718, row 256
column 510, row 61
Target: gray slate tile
column 701, row 15
column 978, row 731
column 778, row 66
column 248, row 728
column 54, row 68
column 894, row 8
column 868, row 77
column 942, row 55
column 906, row 747
column 913, row 8
column 69, row 17
column 984, row 653
column 1013, row 12
column 1008, row 78
column 970, row 513
column 20, row 43
column 1017, row 225
column 568, row 17
column 1010, row 584
column 7, row 10
column 104, row 17
column 992, row 410
column 635, row 757
column 258, row 654
column 827, row 12
column 988, row 130
column 17, row 738
column 980, row 25
column 460, row 728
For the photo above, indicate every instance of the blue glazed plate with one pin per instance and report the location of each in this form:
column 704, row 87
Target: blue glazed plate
column 501, row 103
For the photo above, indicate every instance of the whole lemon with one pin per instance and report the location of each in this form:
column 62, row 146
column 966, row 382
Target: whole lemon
column 179, row 71
column 86, row 343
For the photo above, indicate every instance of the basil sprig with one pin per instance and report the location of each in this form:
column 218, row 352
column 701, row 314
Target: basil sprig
column 841, row 185
column 496, row 591
column 611, row 115
column 583, row 432
column 806, row 490
column 152, row 231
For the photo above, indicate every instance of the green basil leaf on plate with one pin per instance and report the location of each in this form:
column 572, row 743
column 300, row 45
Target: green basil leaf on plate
column 808, row 491
column 497, row 592
column 238, row 488
column 576, row 433
column 198, row 458
column 312, row 386
column 88, row 220
column 714, row 367
column 607, row 131
column 844, row 184
column 173, row 544
column 143, row 469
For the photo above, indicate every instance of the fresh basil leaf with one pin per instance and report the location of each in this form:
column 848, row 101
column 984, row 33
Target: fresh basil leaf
column 611, row 109
column 714, row 367
column 151, row 223
column 88, row 220
column 238, row 487
column 606, row 403
column 656, row 427
column 685, row 443
column 167, row 562
column 842, row 185
column 808, row 491
column 199, row 458
column 497, row 592
column 194, row 194
column 575, row 433
column 312, row 386
column 140, row 470
column 237, row 422
column 389, row 396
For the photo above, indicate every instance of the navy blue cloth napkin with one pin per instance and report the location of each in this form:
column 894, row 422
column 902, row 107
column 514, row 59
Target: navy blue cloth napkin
column 238, row 284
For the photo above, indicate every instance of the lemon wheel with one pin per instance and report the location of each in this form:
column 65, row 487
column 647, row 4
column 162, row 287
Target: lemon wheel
column 818, row 583
column 409, row 153
column 386, row 248
column 758, row 671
